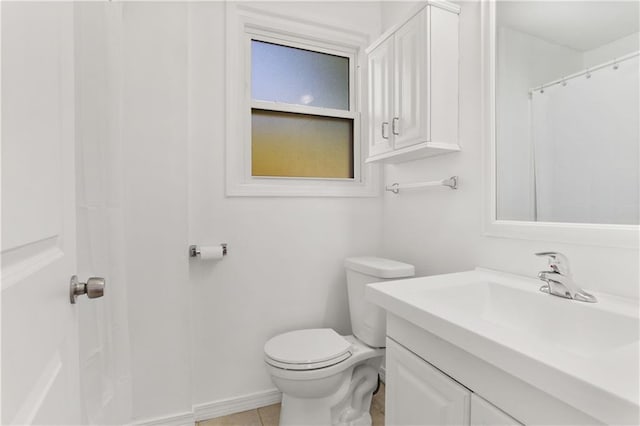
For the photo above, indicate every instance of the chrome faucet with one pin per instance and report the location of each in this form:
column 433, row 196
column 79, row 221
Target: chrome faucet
column 559, row 281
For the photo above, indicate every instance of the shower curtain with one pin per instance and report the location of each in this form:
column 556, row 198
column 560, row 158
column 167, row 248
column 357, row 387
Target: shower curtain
column 586, row 147
column 104, row 354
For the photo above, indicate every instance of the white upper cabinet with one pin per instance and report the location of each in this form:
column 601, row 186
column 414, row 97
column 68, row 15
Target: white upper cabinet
column 413, row 86
column 380, row 72
column 409, row 123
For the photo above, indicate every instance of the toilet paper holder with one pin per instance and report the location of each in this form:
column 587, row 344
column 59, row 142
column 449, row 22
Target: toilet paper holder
column 194, row 250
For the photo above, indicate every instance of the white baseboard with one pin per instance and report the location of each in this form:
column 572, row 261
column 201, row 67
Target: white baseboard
column 183, row 419
column 214, row 409
column 383, row 374
column 223, row 407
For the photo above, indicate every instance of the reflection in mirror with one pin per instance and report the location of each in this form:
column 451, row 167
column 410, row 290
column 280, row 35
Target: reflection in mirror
column 567, row 112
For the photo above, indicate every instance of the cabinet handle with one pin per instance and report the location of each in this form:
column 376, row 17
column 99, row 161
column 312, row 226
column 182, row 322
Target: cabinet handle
column 393, row 125
column 382, row 130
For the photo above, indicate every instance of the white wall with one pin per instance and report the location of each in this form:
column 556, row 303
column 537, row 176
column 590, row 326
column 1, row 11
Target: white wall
column 284, row 268
column 440, row 230
column 522, row 62
column 155, row 143
column 622, row 46
column 197, row 329
column 394, row 11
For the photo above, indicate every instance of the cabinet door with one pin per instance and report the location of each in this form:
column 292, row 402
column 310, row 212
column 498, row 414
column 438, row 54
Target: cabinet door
column 443, row 80
column 380, row 71
column 485, row 414
column 419, row 394
column 411, row 77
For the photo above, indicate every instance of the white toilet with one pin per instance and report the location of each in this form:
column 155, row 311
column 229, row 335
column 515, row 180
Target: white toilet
column 328, row 379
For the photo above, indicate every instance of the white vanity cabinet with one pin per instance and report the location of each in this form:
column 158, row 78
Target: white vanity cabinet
column 419, row 394
column 488, row 333
column 413, row 86
column 484, row 413
column 420, row 389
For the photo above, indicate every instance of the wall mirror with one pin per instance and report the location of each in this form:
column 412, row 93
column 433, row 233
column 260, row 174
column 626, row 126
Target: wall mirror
column 563, row 120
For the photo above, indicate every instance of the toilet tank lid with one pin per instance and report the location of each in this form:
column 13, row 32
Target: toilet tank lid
column 379, row 267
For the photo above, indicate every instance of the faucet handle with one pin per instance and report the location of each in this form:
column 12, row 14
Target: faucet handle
column 558, row 262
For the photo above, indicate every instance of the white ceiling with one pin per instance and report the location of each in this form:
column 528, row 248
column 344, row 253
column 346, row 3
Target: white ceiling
column 580, row 25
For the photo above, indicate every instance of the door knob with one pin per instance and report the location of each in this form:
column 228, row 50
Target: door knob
column 93, row 288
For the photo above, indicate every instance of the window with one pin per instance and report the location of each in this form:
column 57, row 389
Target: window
column 301, row 116
column 293, row 126
column 288, row 144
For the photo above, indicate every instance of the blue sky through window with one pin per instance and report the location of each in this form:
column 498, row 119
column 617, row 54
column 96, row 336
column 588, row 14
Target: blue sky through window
column 297, row 76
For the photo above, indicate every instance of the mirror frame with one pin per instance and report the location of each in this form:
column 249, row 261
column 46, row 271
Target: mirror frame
column 623, row 236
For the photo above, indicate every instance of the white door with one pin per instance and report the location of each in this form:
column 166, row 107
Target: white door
column 409, row 123
column 419, row 394
column 40, row 379
column 380, row 86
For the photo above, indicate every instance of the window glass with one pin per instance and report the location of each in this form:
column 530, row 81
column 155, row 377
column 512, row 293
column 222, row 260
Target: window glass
column 297, row 76
column 301, row 145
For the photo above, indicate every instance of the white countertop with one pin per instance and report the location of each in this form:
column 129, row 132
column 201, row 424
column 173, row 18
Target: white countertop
column 585, row 354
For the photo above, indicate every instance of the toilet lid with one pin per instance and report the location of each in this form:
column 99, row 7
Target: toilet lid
column 319, row 346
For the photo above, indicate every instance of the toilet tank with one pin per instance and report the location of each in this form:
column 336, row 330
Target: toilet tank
column 368, row 321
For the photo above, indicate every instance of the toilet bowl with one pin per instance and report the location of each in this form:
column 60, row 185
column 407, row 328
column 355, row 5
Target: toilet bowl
column 321, row 390
column 326, row 378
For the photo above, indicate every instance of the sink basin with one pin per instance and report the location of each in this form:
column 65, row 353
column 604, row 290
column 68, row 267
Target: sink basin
column 580, row 353
column 572, row 326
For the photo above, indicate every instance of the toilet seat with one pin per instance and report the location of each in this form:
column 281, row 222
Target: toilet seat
column 307, row 349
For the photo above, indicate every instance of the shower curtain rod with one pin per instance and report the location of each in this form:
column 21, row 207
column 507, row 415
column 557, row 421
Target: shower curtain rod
column 586, row 72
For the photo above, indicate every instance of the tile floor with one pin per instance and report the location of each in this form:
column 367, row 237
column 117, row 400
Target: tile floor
column 270, row 415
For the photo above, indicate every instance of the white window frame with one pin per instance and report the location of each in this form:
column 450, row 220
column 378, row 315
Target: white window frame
column 244, row 24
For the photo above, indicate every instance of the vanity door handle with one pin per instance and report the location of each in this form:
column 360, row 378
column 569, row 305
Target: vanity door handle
column 382, row 130
column 393, row 125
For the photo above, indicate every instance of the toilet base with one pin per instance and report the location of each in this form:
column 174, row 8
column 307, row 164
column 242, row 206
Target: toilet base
column 348, row 406
column 302, row 411
column 313, row 412
column 363, row 420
